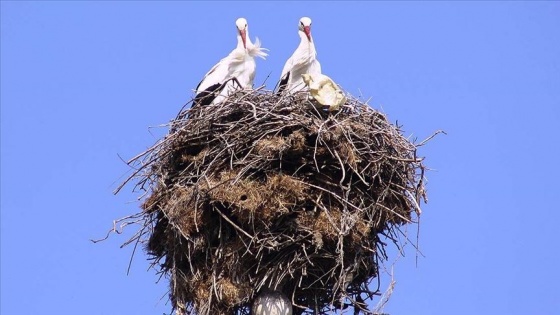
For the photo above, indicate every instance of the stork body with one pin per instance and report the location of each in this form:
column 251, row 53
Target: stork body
column 270, row 302
column 235, row 71
column 303, row 61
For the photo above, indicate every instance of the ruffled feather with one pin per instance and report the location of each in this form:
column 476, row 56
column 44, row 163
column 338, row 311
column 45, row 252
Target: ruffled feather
column 255, row 50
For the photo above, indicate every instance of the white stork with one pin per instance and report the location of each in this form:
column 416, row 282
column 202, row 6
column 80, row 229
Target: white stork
column 324, row 90
column 303, row 61
column 270, row 302
column 237, row 70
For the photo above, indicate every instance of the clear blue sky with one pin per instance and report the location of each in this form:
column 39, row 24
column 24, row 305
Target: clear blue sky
column 81, row 82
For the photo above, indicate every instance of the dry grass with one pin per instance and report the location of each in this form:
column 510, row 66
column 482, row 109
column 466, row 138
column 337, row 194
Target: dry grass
column 268, row 191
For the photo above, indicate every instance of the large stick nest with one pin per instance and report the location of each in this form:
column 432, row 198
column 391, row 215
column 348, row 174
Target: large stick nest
column 266, row 191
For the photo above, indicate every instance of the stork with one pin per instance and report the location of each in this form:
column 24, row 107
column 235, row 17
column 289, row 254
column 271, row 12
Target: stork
column 303, row 61
column 324, row 90
column 236, row 70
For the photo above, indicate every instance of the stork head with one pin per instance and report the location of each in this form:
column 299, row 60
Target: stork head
column 241, row 24
column 307, row 78
column 305, row 26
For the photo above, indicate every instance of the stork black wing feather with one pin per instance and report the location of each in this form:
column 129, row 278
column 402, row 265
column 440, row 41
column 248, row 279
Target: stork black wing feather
column 207, row 96
column 283, row 82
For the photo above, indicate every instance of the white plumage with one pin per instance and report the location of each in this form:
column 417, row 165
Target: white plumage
column 303, row 60
column 271, row 303
column 324, row 90
column 235, row 71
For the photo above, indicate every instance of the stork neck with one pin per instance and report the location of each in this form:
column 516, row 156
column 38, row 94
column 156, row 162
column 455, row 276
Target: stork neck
column 306, row 43
column 240, row 42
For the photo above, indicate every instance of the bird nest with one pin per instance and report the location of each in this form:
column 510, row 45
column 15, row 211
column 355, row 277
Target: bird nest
column 270, row 192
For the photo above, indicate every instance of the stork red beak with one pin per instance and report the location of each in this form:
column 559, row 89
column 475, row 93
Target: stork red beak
column 307, row 32
column 243, row 34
